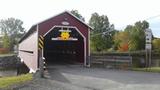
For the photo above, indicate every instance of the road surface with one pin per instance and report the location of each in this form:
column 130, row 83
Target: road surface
column 77, row 77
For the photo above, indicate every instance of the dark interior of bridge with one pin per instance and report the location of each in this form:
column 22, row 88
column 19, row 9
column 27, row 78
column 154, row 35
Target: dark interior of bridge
column 63, row 51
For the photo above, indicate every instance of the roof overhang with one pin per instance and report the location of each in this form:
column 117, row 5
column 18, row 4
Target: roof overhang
column 31, row 30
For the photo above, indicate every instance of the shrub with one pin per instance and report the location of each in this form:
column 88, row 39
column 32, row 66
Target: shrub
column 4, row 50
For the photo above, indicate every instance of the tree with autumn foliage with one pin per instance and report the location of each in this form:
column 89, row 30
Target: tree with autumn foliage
column 132, row 38
column 156, row 44
column 121, row 39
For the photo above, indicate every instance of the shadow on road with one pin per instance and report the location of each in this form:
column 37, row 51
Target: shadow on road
column 126, row 77
column 56, row 74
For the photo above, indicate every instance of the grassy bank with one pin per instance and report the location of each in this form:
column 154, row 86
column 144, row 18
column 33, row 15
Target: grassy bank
column 152, row 69
column 9, row 54
column 6, row 82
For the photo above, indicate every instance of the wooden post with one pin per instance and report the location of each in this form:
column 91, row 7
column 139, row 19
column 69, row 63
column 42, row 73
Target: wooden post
column 41, row 67
column 88, row 61
column 40, row 55
column 146, row 58
column 150, row 58
column 148, row 46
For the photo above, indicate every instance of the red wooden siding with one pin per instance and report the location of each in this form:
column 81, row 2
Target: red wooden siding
column 57, row 20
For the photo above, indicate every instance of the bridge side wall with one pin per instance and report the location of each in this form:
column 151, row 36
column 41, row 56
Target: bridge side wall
column 28, row 51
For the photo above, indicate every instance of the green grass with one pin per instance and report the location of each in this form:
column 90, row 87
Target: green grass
column 152, row 69
column 4, row 55
column 7, row 69
column 6, row 82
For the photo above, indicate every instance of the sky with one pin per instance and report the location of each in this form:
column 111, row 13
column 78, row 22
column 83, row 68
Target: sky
column 119, row 12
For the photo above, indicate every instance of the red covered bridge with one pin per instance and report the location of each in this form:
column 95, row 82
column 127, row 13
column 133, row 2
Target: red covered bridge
column 60, row 39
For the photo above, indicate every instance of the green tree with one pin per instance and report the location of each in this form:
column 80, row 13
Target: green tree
column 6, row 41
column 100, row 40
column 77, row 14
column 156, row 44
column 13, row 29
column 137, row 35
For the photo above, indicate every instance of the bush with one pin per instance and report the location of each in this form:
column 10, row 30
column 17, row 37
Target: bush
column 138, row 62
column 151, row 69
column 4, row 50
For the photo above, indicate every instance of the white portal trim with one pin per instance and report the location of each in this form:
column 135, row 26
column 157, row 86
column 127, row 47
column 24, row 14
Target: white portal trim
column 38, row 61
column 84, row 38
column 89, row 43
column 53, row 17
column 21, row 60
column 70, row 39
column 64, row 30
column 32, row 71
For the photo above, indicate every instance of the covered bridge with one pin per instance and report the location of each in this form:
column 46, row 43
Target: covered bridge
column 60, row 39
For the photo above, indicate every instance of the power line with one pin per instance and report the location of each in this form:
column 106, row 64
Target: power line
column 152, row 17
column 110, row 29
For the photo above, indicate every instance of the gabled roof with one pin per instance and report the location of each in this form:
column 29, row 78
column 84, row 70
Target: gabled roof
column 68, row 13
column 32, row 30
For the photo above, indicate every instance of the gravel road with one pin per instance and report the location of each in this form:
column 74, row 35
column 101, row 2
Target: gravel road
column 76, row 77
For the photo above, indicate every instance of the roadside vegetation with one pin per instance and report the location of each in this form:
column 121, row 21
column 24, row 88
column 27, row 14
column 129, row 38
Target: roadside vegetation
column 11, row 31
column 152, row 69
column 6, row 82
column 8, row 54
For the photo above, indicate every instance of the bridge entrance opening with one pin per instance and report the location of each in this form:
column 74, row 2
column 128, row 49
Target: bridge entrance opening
column 64, row 45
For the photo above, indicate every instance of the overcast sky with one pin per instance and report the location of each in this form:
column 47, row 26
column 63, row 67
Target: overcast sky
column 119, row 12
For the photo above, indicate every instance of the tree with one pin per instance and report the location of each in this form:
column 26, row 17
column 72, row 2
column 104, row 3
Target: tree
column 76, row 13
column 13, row 29
column 156, row 44
column 6, row 41
column 100, row 40
column 132, row 38
column 121, row 39
column 137, row 35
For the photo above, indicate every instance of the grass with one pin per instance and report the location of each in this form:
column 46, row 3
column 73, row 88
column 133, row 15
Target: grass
column 7, row 69
column 6, row 82
column 152, row 69
column 4, row 55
